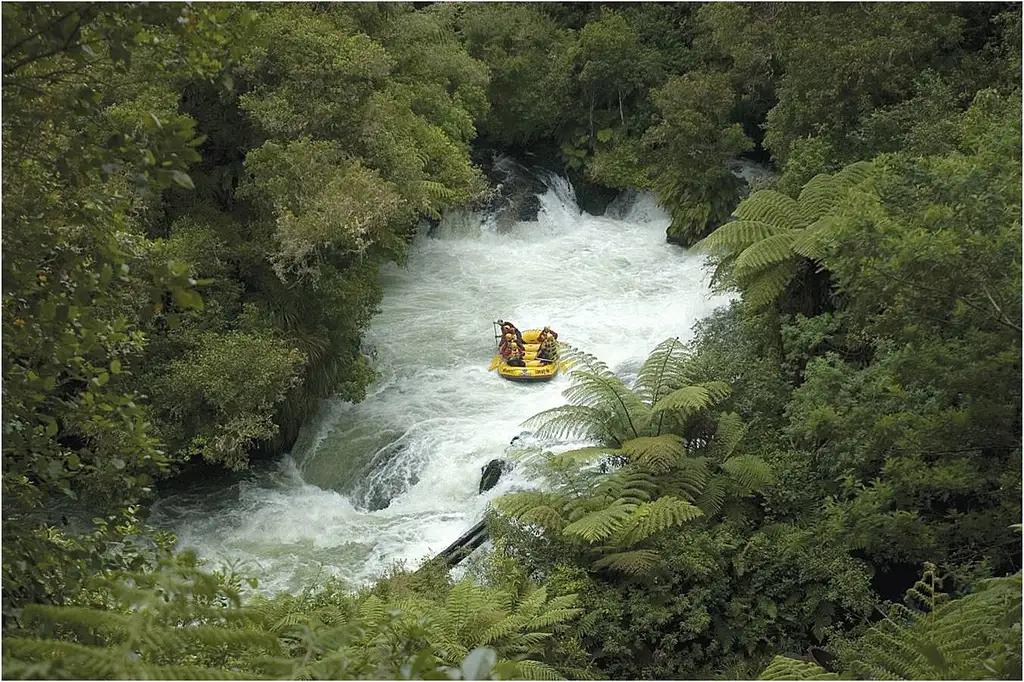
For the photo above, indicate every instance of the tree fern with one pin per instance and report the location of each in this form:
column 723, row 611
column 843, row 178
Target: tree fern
column 691, row 399
column 761, row 250
column 764, row 254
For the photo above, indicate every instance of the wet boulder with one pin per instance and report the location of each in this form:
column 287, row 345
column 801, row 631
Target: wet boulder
column 491, row 473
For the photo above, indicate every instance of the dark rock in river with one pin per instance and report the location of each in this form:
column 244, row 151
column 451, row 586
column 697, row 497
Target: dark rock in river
column 491, row 473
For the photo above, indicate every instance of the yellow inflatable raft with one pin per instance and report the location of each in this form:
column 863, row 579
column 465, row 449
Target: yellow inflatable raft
column 535, row 370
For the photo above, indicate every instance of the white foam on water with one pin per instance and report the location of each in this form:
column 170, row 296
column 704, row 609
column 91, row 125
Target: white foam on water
column 610, row 286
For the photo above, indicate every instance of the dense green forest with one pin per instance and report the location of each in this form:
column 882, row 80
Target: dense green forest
column 197, row 201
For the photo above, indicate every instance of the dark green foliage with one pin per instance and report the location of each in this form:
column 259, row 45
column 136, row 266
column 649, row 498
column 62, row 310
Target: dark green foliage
column 689, row 150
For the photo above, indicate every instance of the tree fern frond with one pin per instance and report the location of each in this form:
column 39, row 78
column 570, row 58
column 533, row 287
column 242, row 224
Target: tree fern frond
column 691, row 399
column 819, row 196
column 662, row 372
column 535, row 670
column 660, row 515
column 772, row 208
column 658, row 453
column 534, row 602
column 785, row 668
column 544, row 516
column 712, row 498
column 812, row 242
column 955, row 641
column 372, row 611
column 580, row 360
column 609, row 395
column 571, row 421
column 763, row 254
column 751, row 472
column 688, row 479
column 518, row 503
column 729, row 432
column 734, row 236
column 600, row 524
column 854, row 174
column 635, row 562
column 505, row 627
column 766, row 286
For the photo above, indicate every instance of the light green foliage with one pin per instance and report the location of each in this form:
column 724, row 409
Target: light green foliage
column 321, row 201
column 972, row 638
column 609, row 61
column 181, row 622
column 785, row 668
column 766, row 246
column 314, row 75
column 689, row 149
column 232, row 382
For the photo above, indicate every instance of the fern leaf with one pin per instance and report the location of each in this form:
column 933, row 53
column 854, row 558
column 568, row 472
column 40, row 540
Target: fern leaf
column 636, row 562
column 785, row 668
column 819, row 196
column 690, row 399
column 516, row 504
column 732, row 237
column 751, row 472
column 712, row 498
column 535, row 670
column 507, row 626
column 658, row 453
column 662, row 372
column 600, row 524
column 764, row 254
column 610, row 396
column 854, row 174
column 812, row 242
column 571, row 421
column 729, row 433
column 660, row 515
column 766, row 286
column 544, row 516
column 772, row 208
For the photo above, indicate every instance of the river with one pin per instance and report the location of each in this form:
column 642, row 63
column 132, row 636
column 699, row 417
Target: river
column 394, row 478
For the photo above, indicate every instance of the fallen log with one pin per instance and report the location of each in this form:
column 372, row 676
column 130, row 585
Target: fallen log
column 454, row 553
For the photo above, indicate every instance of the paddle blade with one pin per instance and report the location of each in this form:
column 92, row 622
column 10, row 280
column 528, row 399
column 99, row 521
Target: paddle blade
column 494, row 364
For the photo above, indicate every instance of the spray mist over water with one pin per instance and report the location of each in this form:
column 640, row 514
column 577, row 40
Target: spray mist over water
column 395, row 478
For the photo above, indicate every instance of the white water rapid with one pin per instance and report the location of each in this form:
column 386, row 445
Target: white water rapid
column 394, row 478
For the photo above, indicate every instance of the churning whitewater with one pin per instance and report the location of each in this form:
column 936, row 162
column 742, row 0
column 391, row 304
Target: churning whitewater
column 394, row 478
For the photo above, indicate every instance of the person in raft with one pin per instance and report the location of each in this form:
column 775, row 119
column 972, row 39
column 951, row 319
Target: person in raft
column 516, row 352
column 507, row 343
column 509, row 328
column 548, row 340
